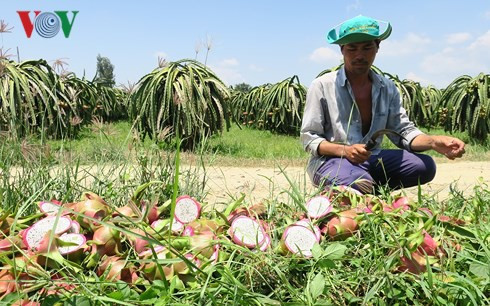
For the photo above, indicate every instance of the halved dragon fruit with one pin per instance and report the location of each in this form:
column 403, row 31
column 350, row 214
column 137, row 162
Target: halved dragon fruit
column 148, row 252
column 34, row 234
column 299, row 240
column 159, row 225
column 75, row 227
column 49, row 208
column 266, row 243
column 247, row 232
column 188, row 231
column 214, row 258
column 312, row 227
column 187, row 209
column 318, row 207
column 77, row 239
column 194, row 260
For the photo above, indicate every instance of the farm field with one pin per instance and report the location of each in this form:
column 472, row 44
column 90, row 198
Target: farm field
column 234, row 179
column 182, row 190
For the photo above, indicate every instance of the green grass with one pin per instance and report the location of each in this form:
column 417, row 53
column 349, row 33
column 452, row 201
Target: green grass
column 248, row 143
column 117, row 143
column 362, row 269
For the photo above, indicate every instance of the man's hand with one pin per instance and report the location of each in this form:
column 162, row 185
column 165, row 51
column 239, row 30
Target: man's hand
column 356, row 153
column 450, row 147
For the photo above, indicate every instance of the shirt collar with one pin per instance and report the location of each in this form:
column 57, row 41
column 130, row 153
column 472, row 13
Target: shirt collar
column 376, row 78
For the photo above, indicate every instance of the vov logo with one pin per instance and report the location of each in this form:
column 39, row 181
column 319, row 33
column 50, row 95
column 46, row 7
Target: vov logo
column 47, row 24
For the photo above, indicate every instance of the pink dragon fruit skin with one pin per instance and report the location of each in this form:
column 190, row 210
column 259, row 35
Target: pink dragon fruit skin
column 33, row 235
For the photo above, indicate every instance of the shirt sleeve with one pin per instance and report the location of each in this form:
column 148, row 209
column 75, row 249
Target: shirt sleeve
column 314, row 119
column 398, row 121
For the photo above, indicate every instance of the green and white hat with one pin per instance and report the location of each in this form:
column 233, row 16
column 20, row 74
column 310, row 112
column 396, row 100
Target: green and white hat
column 357, row 29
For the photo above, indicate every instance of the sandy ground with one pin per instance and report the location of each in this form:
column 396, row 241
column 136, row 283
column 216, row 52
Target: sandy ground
column 260, row 183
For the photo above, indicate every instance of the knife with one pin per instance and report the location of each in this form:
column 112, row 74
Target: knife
column 372, row 142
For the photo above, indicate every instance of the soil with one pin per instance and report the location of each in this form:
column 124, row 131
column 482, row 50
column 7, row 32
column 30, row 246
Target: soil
column 262, row 183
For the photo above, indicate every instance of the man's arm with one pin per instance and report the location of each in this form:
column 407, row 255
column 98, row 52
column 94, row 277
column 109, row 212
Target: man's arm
column 448, row 146
column 355, row 153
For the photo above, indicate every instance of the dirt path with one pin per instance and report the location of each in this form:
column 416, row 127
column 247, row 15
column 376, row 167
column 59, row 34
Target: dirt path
column 270, row 182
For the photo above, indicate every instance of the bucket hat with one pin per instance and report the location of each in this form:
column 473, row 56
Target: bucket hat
column 357, row 29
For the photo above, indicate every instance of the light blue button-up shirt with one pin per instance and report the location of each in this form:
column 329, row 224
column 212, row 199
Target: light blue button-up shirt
column 332, row 115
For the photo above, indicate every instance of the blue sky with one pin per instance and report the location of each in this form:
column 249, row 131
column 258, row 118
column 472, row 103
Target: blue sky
column 257, row 42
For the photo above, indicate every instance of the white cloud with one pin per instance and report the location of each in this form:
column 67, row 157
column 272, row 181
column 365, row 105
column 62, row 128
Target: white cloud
column 481, row 42
column 325, row 55
column 439, row 63
column 227, row 71
column 457, row 38
column 409, row 45
column 444, row 67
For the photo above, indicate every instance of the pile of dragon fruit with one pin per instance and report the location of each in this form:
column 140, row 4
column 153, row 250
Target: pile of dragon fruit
column 142, row 242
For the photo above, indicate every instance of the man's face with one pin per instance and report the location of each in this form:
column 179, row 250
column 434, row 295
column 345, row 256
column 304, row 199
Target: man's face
column 358, row 57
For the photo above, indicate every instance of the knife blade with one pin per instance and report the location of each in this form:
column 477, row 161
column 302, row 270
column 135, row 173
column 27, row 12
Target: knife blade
column 372, row 142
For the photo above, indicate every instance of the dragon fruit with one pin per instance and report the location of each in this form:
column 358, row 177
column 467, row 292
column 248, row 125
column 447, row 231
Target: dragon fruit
column 318, row 207
column 342, row 226
column 91, row 206
column 312, row 227
column 147, row 253
column 182, row 267
column 107, row 241
column 49, row 208
column 265, row 245
column 11, row 243
column 160, row 225
column 139, row 244
column 8, row 283
column 299, row 240
column 416, row 264
column 401, row 202
column 188, row 231
column 72, row 238
column 429, row 246
column 116, row 268
column 33, row 235
column 215, row 256
column 151, row 270
column 247, row 232
column 255, row 211
column 75, row 227
column 187, row 209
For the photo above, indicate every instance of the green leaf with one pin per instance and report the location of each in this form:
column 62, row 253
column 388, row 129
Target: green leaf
column 78, row 301
column 317, row 285
column 326, row 263
column 50, row 300
column 150, row 293
column 335, row 251
column 117, row 295
column 317, row 251
column 480, row 270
